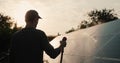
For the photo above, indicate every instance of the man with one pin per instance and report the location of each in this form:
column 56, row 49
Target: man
column 29, row 43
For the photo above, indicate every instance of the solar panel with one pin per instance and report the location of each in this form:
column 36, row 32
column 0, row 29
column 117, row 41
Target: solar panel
column 97, row 44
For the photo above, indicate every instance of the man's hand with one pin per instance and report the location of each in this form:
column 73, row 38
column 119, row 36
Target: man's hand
column 63, row 42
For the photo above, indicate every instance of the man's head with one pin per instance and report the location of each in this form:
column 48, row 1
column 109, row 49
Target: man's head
column 31, row 15
column 31, row 18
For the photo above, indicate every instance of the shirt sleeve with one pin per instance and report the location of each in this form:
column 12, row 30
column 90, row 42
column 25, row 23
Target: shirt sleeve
column 49, row 49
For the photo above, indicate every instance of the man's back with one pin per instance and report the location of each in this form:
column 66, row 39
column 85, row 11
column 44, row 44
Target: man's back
column 27, row 46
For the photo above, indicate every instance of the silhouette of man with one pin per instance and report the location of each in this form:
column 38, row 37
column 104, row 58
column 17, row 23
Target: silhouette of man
column 28, row 44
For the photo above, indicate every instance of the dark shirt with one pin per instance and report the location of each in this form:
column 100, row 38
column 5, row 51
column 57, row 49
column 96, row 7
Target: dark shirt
column 27, row 46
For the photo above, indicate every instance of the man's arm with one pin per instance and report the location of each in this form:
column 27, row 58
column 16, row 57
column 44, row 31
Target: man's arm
column 49, row 49
column 53, row 53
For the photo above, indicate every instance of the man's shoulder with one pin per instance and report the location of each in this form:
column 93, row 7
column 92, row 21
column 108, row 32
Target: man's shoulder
column 40, row 31
column 29, row 31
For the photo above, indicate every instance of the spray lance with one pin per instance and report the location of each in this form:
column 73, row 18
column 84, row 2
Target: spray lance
column 62, row 51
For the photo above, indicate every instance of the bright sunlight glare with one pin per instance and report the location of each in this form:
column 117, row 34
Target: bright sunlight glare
column 20, row 11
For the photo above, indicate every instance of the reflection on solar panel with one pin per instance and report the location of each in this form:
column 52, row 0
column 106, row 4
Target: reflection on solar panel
column 98, row 44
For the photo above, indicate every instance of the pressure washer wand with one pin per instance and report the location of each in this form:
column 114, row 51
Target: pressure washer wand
column 62, row 51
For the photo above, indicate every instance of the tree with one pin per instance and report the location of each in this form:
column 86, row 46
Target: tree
column 102, row 16
column 7, row 28
column 84, row 24
column 69, row 31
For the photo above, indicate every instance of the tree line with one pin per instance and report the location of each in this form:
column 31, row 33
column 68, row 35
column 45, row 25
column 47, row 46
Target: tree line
column 96, row 17
column 7, row 28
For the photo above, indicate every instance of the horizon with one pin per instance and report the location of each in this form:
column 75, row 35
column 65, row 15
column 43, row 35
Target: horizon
column 58, row 16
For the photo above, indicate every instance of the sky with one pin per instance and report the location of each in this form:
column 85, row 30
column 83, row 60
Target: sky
column 58, row 16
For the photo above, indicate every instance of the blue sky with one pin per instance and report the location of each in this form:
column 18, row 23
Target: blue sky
column 58, row 15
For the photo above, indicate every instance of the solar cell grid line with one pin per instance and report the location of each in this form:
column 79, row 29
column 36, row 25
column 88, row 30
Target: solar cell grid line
column 107, row 42
column 108, row 58
column 91, row 37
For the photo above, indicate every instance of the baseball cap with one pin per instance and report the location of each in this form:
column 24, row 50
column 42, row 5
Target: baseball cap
column 32, row 14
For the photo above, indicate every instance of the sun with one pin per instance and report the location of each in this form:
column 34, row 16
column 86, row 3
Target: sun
column 19, row 13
